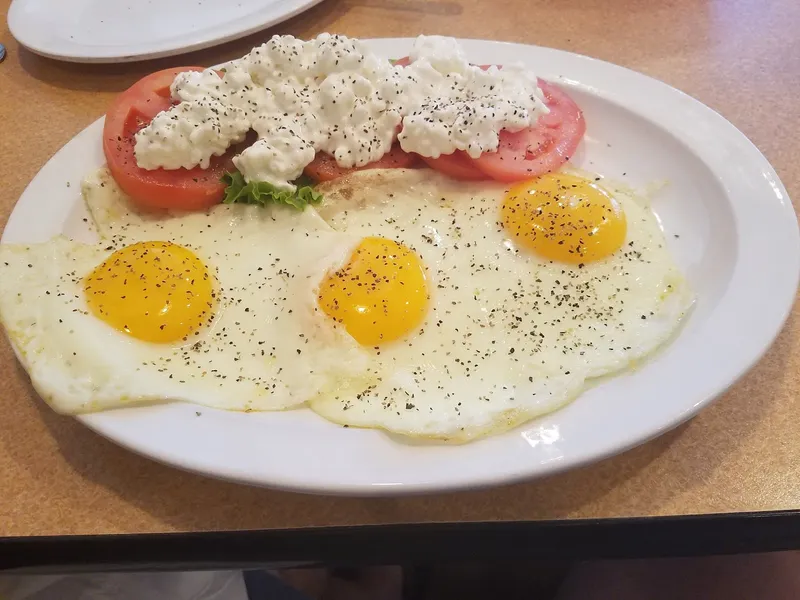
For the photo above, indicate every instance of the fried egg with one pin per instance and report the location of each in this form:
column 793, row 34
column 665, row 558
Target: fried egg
column 202, row 307
column 529, row 293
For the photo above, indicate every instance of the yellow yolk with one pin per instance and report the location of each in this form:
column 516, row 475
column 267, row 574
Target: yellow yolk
column 564, row 218
column 380, row 295
column 154, row 291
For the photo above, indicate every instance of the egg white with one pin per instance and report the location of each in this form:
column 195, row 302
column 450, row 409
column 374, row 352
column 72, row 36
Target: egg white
column 508, row 336
column 263, row 350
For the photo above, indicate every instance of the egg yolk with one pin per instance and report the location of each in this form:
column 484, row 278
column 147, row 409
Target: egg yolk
column 153, row 291
column 380, row 295
column 564, row 218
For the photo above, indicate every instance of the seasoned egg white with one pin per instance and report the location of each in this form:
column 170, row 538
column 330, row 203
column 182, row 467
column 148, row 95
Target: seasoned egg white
column 508, row 335
column 258, row 348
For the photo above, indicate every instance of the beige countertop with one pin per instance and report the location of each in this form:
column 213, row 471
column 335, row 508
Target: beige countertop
column 741, row 57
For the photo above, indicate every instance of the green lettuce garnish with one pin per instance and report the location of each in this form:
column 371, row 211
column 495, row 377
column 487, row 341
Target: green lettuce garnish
column 262, row 193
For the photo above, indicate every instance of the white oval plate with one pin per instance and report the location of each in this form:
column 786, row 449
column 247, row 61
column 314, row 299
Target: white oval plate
column 96, row 31
column 729, row 224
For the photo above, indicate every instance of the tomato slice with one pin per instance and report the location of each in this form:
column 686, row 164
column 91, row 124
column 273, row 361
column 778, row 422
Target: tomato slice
column 527, row 153
column 540, row 149
column 457, row 165
column 185, row 189
column 324, row 167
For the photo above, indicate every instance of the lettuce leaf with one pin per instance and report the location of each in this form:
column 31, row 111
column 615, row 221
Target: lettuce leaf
column 262, row 193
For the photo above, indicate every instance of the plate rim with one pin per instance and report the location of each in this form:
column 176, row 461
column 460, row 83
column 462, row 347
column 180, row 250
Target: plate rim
column 267, row 17
column 791, row 267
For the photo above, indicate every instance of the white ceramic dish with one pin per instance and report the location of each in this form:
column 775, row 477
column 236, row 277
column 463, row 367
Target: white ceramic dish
column 96, row 31
column 728, row 221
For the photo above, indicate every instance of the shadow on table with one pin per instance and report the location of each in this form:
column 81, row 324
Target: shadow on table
column 185, row 501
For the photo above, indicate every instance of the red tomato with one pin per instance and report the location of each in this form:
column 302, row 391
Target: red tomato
column 457, row 165
column 324, row 167
column 540, row 149
column 403, row 62
column 187, row 189
column 524, row 154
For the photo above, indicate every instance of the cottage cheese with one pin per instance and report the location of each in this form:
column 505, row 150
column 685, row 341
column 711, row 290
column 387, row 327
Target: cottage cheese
column 333, row 95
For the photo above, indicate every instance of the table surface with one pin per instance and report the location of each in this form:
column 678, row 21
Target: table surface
column 741, row 57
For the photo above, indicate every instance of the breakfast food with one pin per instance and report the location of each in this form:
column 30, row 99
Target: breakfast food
column 212, row 308
column 328, row 106
column 520, row 314
column 450, row 278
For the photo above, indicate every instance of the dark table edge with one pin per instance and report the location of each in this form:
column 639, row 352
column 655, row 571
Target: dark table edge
column 692, row 535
